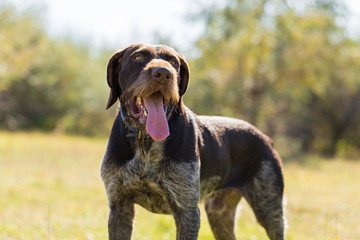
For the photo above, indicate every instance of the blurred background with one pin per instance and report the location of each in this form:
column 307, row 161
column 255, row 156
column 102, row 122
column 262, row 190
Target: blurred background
column 291, row 68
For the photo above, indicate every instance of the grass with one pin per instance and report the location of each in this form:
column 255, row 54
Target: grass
column 50, row 188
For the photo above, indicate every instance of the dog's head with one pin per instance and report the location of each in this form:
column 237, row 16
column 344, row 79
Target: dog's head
column 150, row 82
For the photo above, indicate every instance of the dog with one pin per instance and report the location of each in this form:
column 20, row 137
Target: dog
column 165, row 158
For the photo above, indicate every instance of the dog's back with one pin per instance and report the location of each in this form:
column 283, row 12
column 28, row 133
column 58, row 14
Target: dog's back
column 232, row 149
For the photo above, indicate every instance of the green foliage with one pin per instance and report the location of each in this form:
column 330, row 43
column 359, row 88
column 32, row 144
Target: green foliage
column 288, row 68
column 48, row 84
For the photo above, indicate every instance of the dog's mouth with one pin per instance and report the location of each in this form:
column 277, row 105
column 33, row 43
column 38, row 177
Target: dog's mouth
column 151, row 110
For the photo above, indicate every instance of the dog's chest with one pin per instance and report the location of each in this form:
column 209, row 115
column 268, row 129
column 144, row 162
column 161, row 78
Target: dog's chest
column 152, row 180
column 146, row 163
column 141, row 178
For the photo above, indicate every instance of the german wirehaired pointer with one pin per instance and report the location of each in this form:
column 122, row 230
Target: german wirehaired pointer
column 165, row 158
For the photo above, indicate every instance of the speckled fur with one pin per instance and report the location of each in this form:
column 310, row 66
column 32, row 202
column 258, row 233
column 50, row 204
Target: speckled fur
column 266, row 201
column 156, row 184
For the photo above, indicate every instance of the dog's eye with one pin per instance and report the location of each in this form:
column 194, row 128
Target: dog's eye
column 139, row 57
column 173, row 62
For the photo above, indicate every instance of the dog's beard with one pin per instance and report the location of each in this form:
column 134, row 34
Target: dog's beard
column 151, row 111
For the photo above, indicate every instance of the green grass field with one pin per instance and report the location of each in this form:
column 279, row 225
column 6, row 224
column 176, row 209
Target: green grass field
column 50, row 188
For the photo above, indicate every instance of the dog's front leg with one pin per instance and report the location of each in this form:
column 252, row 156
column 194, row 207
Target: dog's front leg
column 120, row 222
column 187, row 224
column 181, row 184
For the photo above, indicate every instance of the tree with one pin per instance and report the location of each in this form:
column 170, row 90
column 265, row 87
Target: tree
column 285, row 66
column 49, row 84
column 316, row 66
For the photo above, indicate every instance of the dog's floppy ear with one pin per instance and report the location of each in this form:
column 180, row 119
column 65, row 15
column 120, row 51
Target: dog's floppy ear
column 113, row 69
column 184, row 75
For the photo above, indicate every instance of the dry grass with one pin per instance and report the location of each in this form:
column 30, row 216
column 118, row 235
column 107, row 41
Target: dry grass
column 50, row 189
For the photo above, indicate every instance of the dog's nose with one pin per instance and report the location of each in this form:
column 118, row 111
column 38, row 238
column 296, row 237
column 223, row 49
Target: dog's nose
column 162, row 74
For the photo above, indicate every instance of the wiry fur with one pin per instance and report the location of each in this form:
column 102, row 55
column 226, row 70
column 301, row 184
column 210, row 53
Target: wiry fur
column 217, row 159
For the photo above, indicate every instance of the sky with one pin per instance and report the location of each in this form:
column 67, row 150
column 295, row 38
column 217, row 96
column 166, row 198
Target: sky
column 118, row 23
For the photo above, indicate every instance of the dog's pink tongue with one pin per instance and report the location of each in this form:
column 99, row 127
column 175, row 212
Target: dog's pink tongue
column 156, row 122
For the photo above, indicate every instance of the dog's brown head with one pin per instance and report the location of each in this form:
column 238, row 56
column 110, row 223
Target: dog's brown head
column 150, row 81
